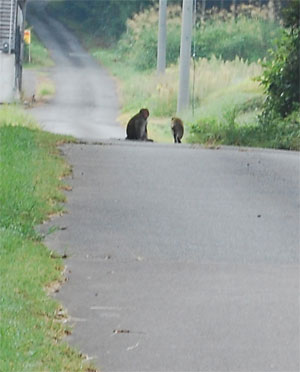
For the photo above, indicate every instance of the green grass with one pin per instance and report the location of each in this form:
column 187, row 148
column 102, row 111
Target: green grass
column 31, row 327
column 14, row 115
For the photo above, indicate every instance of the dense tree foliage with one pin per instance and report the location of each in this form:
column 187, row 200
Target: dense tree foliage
column 248, row 36
column 105, row 19
column 281, row 78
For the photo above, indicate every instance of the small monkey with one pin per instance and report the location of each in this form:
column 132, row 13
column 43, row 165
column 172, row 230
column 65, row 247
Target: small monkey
column 177, row 129
column 137, row 126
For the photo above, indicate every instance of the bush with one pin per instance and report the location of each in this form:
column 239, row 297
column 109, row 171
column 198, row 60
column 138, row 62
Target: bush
column 280, row 134
column 247, row 38
column 139, row 44
column 281, row 77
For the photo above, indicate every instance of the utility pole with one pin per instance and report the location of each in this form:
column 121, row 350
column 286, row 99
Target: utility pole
column 185, row 55
column 162, row 37
column 233, row 9
column 203, row 8
column 271, row 8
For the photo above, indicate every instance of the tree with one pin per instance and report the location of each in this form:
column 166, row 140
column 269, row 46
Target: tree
column 105, row 18
column 281, row 78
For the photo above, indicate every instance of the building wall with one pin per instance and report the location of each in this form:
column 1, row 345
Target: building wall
column 8, row 90
column 11, row 49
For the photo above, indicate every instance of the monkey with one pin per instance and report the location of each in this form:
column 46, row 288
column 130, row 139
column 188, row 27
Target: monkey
column 137, row 126
column 177, row 129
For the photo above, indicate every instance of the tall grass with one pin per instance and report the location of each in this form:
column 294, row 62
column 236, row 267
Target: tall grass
column 217, row 83
column 213, row 81
column 31, row 327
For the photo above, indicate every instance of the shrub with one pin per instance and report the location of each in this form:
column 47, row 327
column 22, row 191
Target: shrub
column 247, row 38
column 280, row 134
column 281, row 77
column 139, row 44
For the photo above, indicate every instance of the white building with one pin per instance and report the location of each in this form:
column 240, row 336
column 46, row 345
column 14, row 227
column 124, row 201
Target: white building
column 12, row 15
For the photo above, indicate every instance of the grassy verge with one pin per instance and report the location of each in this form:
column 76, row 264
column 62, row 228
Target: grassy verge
column 31, row 327
column 14, row 115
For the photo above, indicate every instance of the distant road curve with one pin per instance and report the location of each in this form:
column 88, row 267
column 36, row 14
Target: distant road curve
column 86, row 103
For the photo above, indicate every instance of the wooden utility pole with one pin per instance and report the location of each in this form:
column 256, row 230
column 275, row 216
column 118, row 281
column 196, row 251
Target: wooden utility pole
column 185, row 55
column 162, row 37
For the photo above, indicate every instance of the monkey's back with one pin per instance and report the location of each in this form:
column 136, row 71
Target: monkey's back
column 131, row 128
column 177, row 127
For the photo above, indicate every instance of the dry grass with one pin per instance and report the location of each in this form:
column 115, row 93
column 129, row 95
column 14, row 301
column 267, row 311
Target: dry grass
column 213, row 79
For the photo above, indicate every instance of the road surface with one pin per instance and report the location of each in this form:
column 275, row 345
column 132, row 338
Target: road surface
column 195, row 252
column 86, row 102
column 179, row 258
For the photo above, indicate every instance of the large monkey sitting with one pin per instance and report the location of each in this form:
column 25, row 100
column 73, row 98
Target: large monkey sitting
column 137, row 126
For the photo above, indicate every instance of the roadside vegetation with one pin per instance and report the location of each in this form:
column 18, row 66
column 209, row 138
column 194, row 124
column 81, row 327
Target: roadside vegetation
column 219, row 87
column 31, row 189
column 236, row 62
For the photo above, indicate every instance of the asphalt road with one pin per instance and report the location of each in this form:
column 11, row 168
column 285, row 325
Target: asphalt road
column 195, row 252
column 179, row 258
column 86, row 102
